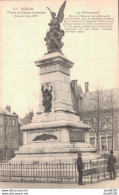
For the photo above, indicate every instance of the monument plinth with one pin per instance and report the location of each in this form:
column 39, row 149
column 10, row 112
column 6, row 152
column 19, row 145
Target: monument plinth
column 56, row 132
column 55, row 72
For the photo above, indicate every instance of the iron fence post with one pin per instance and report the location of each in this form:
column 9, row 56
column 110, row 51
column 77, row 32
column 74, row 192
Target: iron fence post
column 60, row 172
column 91, row 170
column 21, row 173
column 104, row 165
column 75, row 172
column 10, row 170
column 33, row 172
column 98, row 169
column 47, row 171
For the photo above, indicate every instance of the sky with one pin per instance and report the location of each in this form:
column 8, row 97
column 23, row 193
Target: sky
column 94, row 53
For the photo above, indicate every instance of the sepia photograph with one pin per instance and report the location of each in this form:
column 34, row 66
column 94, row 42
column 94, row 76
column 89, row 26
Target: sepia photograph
column 59, row 96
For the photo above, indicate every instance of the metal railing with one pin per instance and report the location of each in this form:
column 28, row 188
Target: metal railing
column 62, row 172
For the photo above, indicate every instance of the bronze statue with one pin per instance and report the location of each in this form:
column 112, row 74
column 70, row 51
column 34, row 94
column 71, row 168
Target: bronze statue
column 55, row 34
column 47, row 99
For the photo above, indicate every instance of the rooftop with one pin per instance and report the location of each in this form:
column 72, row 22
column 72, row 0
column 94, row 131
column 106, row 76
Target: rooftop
column 108, row 98
column 4, row 111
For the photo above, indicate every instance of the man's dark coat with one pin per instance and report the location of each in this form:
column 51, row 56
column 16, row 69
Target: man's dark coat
column 111, row 161
column 80, row 166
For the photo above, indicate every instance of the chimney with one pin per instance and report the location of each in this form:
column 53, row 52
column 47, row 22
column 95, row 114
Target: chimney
column 8, row 108
column 74, row 82
column 86, row 87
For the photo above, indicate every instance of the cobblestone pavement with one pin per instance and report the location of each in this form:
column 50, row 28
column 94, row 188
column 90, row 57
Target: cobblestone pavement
column 104, row 184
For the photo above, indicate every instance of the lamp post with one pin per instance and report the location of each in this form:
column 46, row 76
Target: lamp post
column 5, row 125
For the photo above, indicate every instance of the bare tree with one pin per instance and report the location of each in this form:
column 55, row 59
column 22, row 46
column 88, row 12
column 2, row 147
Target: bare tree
column 28, row 118
column 111, row 106
column 102, row 103
column 97, row 104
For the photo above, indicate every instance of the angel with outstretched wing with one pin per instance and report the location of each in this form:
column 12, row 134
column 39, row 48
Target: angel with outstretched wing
column 54, row 35
column 60, row 14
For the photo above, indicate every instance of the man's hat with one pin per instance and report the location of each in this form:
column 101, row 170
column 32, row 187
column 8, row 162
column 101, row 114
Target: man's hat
column 111, row 152
column 79, row 153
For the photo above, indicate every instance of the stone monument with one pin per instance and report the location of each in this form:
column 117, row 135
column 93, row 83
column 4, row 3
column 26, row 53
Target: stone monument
column 56, row 132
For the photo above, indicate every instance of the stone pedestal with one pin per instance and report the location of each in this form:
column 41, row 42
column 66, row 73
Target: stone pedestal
column 57, row 135
column 55, row 72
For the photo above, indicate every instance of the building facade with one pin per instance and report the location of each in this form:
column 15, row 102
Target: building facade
column 108, row 137
column 99, row 109
column 8, row 133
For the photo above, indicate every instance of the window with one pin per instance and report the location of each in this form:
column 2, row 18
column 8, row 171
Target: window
column 1, row 120
column 109, row 143
column 103, row 143
column 85, row 121
column 10, row 122
column 13, row 122
column 0, row 155
column 92, row 141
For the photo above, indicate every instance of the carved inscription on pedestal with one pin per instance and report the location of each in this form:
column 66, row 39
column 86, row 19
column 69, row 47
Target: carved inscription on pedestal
column 77, row 136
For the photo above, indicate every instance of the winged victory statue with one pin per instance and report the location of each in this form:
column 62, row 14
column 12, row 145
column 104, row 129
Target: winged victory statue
column 54, row 35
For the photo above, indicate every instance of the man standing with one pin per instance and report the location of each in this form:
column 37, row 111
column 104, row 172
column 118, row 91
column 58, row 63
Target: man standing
column 111, row 165
column 80, row 168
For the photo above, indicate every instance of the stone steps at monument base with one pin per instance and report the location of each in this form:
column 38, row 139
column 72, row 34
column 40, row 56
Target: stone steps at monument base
column 56, row 145
column 47, row 150
column 31, row 158
column 55, row 148
column 54, row 151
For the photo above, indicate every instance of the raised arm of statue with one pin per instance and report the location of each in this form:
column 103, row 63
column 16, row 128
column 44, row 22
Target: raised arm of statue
column 53, row 14
column 49, row 9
